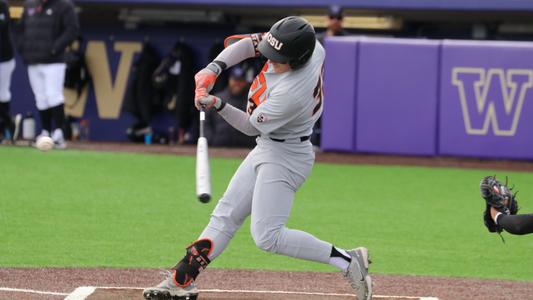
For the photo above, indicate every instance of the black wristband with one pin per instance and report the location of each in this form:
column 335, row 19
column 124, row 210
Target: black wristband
column 222, row 105
column 221, row 64
column 217, row 67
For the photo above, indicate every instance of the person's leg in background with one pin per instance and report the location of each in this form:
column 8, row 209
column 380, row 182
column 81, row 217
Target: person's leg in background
column 6, row 70
column 37, row 82
column 185, row 112
column 5, row 119
column 54, row 78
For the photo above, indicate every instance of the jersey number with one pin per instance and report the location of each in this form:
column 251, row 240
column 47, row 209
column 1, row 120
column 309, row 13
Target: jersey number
column 319, row 92
column 258, row 89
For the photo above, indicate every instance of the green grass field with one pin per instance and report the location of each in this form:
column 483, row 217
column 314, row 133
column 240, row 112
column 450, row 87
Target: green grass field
column 88, row 209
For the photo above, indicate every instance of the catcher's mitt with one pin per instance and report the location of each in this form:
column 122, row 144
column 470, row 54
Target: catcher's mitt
column 499, row 196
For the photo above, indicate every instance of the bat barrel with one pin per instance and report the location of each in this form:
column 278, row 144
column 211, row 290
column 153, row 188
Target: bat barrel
column 203, row 174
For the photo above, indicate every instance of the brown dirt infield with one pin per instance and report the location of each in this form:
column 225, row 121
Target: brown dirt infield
column 67, row 280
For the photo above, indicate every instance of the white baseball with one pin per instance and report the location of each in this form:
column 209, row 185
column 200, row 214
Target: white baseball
column 44, row 143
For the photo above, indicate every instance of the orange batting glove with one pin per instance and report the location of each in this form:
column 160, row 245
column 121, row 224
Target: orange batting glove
column 205, row 79
column 209, row 101
column 199, row 94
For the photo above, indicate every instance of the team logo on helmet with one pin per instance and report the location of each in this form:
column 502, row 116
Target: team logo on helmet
column 274, row 42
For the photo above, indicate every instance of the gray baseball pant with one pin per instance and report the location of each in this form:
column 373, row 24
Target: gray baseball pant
column 264, row 187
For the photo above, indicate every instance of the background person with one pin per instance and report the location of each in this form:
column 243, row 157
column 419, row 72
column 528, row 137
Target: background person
column 502, row 208
column 514, row 224
column 7, row 65
column 46, row 29
column 335, row 24
column 334, row 28
column 218, row 131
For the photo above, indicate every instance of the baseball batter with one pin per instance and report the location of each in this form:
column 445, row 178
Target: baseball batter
column 285, row 100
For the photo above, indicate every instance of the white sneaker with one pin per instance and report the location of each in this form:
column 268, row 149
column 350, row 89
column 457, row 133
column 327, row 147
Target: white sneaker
column 59, row 139
column 43, row 133
column 357, row 273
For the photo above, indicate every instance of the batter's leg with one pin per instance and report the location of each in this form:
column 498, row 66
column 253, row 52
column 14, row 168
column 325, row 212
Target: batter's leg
column 226, row 219
column 272, row 202
column 232, row 209
column 271, row 206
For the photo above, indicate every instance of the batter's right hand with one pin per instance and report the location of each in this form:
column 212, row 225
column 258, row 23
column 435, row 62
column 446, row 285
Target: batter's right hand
column 205, row 80
column 207, row 102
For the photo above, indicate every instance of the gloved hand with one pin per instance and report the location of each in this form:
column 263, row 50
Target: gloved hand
column 205, row 80
column 489, row 222
column 498, row 196
column 208, row 101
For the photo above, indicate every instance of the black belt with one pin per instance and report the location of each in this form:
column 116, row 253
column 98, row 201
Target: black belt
column 302, row 139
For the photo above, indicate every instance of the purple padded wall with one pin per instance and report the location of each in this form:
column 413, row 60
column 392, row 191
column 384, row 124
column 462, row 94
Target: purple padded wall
column 486, row 102
column 340, row 79
column 397, row 96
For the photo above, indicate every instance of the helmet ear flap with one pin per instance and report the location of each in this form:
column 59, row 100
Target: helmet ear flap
column 300, row 61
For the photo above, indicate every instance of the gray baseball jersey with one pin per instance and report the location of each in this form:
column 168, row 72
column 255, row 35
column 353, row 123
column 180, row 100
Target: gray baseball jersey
column 287, row 105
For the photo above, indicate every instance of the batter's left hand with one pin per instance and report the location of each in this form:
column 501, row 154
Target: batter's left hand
column 207, row 102
column 204, row 81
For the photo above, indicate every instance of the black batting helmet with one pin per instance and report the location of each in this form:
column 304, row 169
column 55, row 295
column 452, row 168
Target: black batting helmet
column 291, row 40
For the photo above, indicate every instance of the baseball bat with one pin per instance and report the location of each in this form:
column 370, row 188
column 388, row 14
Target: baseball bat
column 203, row 175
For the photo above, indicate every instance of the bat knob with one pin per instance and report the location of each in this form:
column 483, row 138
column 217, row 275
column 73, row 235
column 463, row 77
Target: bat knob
column 204, row 198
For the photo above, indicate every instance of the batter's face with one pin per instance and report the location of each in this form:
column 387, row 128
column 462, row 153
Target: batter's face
column 279, row 67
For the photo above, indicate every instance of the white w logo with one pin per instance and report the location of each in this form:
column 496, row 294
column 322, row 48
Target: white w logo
column 492, row 97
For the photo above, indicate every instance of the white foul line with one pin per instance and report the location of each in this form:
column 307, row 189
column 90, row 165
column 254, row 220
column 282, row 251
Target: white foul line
column 303, row 293
column 83, row 292
column 6, row 289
